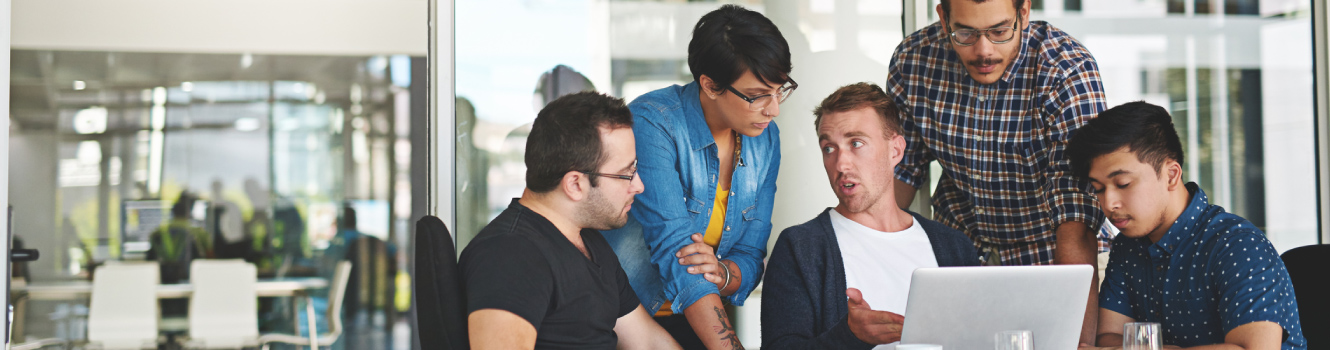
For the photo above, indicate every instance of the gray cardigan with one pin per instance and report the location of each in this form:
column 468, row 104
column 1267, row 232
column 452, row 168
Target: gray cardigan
column 803, row 293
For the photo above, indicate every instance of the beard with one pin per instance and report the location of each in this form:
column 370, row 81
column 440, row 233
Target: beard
column 599, row 214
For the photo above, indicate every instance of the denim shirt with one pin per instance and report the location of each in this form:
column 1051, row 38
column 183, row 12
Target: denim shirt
column 676, row 158
column 1210, row 273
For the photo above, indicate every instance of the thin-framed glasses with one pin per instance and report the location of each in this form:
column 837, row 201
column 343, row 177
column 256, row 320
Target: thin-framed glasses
column 616, row 176
column 759, row 102
column 1000, row 35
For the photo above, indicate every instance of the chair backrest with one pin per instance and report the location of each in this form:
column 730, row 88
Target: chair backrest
column 223, row 312
column 1306, row 267
column 336, row 295
column 440, row 299
column 123, row 312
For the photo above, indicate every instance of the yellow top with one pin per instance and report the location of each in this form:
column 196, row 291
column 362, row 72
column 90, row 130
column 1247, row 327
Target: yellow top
column 717, row 225
column 712, row 236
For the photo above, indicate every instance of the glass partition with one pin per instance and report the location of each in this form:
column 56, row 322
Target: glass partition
column 295, row 163
column 1236, row 76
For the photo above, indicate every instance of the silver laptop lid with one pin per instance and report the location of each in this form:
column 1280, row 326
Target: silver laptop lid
column 962, row 308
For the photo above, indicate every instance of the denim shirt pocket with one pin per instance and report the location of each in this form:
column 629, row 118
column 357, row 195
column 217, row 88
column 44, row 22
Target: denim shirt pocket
column 750, row 213
column 694, row 205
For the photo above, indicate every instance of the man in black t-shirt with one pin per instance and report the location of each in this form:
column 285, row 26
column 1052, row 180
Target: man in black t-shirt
column 540, row 276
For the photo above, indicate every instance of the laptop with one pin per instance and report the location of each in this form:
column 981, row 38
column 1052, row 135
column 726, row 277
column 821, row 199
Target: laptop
column 962, row 308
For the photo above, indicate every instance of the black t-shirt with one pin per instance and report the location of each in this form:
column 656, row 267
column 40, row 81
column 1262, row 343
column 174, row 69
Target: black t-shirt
column 522, row 264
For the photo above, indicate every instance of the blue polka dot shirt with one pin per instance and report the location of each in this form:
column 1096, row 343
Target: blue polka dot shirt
column 1211, row 272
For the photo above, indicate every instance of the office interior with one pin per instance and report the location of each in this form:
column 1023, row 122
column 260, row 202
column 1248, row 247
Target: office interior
column 313, row 132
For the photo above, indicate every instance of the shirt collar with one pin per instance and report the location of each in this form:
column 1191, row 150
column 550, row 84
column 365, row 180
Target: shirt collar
column 698, row 130
column 1186, row 225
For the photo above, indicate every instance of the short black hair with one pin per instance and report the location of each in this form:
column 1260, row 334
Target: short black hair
column 184, row 205
column 566, row 137
column 348, row 217
column 732, row 39
column 1145, row 129
column 946, row 5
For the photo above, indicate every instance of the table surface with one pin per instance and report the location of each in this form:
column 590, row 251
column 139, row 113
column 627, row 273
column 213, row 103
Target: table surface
column 65, row 290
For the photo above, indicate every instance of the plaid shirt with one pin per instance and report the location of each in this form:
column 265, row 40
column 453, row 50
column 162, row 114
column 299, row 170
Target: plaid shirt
column 1006, row 181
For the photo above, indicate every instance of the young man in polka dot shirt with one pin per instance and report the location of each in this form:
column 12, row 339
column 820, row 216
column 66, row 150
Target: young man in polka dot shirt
column 1208, row 277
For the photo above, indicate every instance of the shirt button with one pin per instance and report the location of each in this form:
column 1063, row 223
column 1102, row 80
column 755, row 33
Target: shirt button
column 979, row 210
column 731, row 194
column 727, row 228
column 982, row 99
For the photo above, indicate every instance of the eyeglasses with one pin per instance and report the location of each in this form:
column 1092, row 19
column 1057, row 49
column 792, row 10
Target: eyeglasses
column 616, row 176
column 1003, row 35
column 759, row 102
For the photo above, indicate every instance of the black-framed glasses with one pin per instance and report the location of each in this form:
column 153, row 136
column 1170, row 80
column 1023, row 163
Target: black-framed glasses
column 1000, row 35
column 759, row 102
column 616, row 176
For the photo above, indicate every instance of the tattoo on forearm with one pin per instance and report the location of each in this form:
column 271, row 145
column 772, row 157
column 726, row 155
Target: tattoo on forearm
column 726, row 330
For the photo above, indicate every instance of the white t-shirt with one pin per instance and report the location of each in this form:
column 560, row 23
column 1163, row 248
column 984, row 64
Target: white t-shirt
column 880, row 264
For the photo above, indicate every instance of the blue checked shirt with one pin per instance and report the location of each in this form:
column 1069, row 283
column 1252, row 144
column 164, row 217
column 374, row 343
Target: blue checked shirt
column 1006, row 181
column 1211, row 272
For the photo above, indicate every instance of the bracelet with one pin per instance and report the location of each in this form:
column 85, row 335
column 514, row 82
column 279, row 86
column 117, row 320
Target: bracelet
column 727, row 276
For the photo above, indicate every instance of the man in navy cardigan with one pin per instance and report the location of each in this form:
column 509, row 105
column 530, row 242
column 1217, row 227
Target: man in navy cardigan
column 840, row 281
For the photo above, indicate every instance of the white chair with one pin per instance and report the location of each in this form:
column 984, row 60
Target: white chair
column 336, row 293
column 223, row 312
column 34, row 345
column 123, row 313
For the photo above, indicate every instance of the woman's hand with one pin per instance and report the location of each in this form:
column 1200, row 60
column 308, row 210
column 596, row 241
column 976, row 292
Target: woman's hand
column 701, row 259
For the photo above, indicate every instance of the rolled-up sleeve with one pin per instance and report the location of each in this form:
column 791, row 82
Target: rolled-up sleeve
column 662, row 209
column 914, row 164
column 1079, row 98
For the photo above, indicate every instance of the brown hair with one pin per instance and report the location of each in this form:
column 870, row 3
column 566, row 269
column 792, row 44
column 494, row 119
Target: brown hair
column 859, row 95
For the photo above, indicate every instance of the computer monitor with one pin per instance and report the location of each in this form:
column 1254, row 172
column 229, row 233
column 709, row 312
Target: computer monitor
column 139, row 218
column 372, row 217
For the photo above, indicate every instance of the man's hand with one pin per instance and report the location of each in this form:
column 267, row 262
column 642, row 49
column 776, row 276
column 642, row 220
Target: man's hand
column 701, row 259
column 872, row 327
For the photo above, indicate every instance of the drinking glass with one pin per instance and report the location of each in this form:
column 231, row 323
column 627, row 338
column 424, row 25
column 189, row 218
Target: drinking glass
column 1014, row 340
column 1141, row 336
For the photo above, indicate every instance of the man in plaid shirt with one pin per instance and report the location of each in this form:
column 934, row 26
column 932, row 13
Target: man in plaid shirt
column 994, row 98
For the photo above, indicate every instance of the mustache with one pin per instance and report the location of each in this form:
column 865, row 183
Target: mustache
column 985, row 61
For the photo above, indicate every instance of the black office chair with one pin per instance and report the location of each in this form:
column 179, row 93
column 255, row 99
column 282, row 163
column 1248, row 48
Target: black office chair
column 440, row 299
column 1306, row 266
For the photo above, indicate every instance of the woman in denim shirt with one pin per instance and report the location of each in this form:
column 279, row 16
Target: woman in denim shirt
column 708, row 153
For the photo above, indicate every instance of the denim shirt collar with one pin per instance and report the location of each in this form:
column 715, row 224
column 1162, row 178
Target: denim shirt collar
column 698, row 130
column 1186, row 225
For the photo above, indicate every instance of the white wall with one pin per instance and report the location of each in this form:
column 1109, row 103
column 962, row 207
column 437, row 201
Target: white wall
column 1290, row 163
column 313, row 27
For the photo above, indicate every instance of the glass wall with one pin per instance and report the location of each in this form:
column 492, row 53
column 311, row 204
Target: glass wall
column 295, row 161
column 1236, row 76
